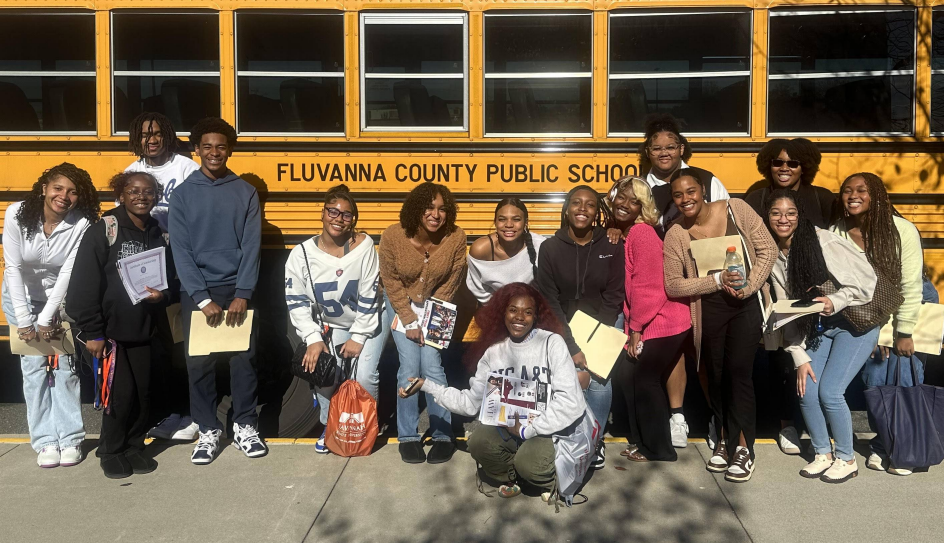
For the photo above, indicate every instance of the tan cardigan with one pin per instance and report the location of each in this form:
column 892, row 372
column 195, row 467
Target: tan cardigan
column 407, row 278
column 681, row 277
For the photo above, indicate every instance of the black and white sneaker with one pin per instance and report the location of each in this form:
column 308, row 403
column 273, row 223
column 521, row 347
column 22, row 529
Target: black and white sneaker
column 599, row 462
column 246, row 438
column 206, row 448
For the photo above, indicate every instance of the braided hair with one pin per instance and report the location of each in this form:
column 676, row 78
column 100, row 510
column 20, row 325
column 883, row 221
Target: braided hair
column 604, row 216
column 807, row 266
column 341, row 192
column 656, row 124
column 528, row 241
column 30, row 215
column 136, row 133
column 882, row 242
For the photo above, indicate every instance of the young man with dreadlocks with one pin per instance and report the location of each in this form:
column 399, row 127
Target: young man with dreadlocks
column 153, row 139
column 216, row 233
column 578, row 268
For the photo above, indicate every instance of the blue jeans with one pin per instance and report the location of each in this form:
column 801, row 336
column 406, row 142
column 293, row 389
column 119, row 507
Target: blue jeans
column 599, row 396
column 835, row 361
column 425, row 362
column 54, row 414
column 367, row 373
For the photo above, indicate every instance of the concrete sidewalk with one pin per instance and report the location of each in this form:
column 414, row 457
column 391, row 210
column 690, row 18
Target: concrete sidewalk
column 296, row 495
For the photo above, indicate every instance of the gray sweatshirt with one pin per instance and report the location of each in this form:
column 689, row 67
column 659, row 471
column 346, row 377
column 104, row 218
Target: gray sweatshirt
column 526, row 360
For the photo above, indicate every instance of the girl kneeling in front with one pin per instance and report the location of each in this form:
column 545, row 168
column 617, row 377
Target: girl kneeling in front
column 520, row 338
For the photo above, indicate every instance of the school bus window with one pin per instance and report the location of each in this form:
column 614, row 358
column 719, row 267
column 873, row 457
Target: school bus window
column 168, row 63
column 538, row 74
column 47, row 72
column 694, row 65
column 841, row 72
column 414, row 71
column 937, row 72
column 294, row 84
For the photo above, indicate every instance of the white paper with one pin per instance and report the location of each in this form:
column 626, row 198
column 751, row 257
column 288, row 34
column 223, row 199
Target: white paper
column 508, row 399
column 784, row 313
column 145, row 269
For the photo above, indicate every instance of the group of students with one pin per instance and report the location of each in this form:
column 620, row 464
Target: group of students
column 622, row 258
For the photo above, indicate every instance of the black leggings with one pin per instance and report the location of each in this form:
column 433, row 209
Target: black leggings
column 729, row 337
column 647, row 404
column 125, row 426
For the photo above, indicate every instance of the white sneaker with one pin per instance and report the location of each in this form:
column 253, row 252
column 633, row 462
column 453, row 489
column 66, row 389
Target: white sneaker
column 789, row 441
column 48, row 456
column 899, row 471
column 712, row 433
column 840, row 472
column 187, row 430
column 206, row 448
column 679, row 429
column 875, row 462
column 246, row 438
column 817, row 467
column 70, row 456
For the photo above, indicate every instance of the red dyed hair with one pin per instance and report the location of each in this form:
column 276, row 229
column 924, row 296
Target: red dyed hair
column 491, row 319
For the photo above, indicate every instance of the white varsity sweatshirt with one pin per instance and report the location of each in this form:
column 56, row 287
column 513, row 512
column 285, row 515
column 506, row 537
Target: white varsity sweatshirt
column 346, row 289
column 531, row 359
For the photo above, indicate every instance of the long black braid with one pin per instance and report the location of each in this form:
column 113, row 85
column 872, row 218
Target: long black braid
column 528, row 242
column 30, row 216
column 806, row 267
column 603, row 218
column 168, row 134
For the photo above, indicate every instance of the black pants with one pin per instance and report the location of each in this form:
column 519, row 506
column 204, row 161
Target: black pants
column 782, row 382
column 647, row 403
column 125, row 426
column 202, row 371
column 169, row 380
column 731, row 330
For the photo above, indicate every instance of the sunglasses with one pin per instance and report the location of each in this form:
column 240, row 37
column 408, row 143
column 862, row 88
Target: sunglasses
column 334, row 213
column 792, row 164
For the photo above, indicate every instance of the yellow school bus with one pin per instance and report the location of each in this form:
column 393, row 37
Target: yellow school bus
column 490, row 97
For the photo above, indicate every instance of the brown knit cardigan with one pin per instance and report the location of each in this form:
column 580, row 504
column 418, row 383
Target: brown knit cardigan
column 406, row 277
column 681, row 277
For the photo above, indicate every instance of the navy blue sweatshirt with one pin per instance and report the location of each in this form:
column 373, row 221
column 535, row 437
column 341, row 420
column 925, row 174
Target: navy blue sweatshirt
column 215, row 230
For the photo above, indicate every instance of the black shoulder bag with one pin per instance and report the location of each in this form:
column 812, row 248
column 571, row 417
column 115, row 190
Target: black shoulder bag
column 326, row 369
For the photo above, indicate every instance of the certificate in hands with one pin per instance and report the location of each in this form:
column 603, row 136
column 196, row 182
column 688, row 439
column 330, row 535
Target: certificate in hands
column 146, row 269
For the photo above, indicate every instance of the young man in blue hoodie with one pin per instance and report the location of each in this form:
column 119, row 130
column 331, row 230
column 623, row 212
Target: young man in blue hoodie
column 215, row 231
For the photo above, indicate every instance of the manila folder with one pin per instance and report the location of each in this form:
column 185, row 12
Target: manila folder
column 205, row 340
column 709, row 253
column 63, row 345
column 600, row 343
column 928, row 333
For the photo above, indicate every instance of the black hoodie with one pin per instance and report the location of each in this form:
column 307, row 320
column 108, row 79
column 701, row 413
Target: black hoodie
column 585, row 277
column 96, row 299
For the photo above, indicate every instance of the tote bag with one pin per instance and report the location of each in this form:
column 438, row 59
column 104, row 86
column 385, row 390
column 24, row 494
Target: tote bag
column 909, row 421
column 352, row 420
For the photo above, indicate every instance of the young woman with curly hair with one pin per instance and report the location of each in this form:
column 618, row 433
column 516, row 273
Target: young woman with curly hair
column 658, row 328
column 893, row 246
column 826, row 358
column 579, row 269
column 792, row 164
column 421, row 257
column 521, row 338
column 40, row 238
column 105, row 315
column 509, row 255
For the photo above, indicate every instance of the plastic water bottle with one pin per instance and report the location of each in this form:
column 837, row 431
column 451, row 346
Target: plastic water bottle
column 733, row 263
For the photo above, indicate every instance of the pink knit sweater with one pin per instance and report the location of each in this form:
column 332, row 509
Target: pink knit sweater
column 647, row 308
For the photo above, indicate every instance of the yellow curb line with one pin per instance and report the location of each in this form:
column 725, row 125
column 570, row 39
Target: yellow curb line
column 390, row 441
column 14, row 440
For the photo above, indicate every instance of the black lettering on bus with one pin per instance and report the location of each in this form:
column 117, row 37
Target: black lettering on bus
column 306, row 172
column 574, row 176
column 397, row 175
column 548, row 174
column 490, row 170
column 336, row 173
column 379, row 175
column 323, row 173
column 471, row 170
column 521, row 173
column 282, row 167
column 602, row 172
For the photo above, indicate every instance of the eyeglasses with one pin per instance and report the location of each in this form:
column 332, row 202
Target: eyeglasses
column 149, row 193
column 792, row 164
column 790, row 215
column 668, row 148
column 334, row 213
